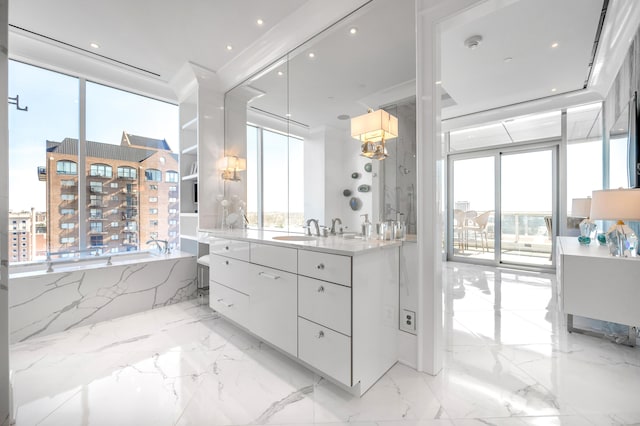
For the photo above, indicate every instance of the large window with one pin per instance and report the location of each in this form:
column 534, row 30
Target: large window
column 64, row 196
column 65, row 167
column 102, row 170
column 127, row 173
column 172, row 176
column 153, row 175
column 281, row 156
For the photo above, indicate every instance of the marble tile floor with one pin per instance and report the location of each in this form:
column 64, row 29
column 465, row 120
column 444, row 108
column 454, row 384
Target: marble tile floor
column 508, row 361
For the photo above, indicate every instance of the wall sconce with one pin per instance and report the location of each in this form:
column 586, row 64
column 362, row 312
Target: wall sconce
column 231, row 166
column 618, row 204
column 372, row 130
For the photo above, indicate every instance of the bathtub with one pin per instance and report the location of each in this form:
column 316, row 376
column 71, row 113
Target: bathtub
column 90, row 290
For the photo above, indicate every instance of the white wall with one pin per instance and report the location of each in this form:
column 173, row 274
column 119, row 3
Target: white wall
column 4, row 220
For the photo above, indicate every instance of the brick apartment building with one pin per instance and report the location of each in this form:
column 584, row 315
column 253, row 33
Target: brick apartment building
column 27, row 236
column 131, row 194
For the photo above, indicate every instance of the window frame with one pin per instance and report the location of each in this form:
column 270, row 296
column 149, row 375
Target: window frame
column 150, row 175
column 73, row 168
column 100, row 170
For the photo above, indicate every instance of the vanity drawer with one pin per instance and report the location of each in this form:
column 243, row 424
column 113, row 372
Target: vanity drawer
column 324, row 266
column 325, row 349
column 325, row 303
column 230, row 303
column 229, row 272
column 283, row 258
column 230, row 248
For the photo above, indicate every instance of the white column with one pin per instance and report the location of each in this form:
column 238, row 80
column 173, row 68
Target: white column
column 4, row 219
column 431, row 174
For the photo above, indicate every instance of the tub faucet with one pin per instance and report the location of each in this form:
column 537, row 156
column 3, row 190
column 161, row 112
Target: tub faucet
column 315, row 222
column 333, row 225
column 161, row 248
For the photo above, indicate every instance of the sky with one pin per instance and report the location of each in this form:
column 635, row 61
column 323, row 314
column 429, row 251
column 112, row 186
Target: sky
column 53, row 114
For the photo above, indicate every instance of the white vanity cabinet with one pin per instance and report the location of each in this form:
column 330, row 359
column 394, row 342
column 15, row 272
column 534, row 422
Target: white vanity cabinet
column 336, row 313
column 274, row 307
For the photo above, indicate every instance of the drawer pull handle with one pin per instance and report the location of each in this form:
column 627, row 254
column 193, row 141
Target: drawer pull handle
column 270, row 276
column 321, row 289
column 321, row 334
column 320, row 266
column 228, row 305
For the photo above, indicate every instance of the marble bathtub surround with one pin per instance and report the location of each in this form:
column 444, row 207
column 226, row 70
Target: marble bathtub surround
column 44, row 303
column 508, row 361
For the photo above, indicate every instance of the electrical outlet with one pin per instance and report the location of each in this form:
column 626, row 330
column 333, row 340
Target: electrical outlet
column 408, row 321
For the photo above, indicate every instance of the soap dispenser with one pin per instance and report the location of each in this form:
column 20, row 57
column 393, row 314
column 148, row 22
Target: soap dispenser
column 366, row 227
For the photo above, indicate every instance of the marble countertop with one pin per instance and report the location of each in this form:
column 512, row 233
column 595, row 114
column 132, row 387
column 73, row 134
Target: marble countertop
column 570, row 246
column 334, row 244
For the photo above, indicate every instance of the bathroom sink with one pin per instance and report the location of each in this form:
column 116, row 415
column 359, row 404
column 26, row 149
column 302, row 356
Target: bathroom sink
column 294, row 238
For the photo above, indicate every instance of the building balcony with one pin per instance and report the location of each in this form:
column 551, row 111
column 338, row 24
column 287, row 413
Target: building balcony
column 129, row 242
column 97, row 190
column 42, row 173
column 128, row 178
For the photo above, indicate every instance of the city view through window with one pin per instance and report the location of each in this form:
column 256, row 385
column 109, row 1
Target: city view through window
column 113, row 194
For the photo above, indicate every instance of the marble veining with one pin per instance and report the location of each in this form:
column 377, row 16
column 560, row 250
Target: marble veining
column 508, row 361
column 48, row 303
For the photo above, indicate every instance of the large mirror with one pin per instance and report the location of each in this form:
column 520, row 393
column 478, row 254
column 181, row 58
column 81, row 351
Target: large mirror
column 291, row 121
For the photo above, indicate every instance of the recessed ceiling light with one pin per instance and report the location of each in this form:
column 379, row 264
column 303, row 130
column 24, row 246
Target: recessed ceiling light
column 229, row 47
column 353, row 30
column 280, row 73
column 288, row 115
column 554, row 89
column 554, row 45
column 94, row 45
column 312, row 55
column 438, row 82
column 259, row 21
column 508, row 59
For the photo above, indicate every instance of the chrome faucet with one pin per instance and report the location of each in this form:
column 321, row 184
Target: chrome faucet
column 315, row 222
column 333, row 225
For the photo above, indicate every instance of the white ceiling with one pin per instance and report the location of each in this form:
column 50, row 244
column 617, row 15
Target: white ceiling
column 158, row 36
column 480, row 79
column 349, row 73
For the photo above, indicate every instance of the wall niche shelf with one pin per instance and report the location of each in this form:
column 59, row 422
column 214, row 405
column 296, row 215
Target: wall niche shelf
column 191, row 124
column 190, row 150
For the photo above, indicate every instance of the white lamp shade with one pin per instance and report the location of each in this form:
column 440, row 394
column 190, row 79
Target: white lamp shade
column 234, row 163
column 374, row 126
column 580, row 207
column 616, row 204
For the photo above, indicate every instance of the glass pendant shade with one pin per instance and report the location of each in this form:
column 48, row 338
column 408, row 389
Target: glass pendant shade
column 372, row 130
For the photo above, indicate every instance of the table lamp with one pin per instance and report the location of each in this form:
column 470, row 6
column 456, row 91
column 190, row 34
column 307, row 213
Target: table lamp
column 618, row 204
column 581, row 207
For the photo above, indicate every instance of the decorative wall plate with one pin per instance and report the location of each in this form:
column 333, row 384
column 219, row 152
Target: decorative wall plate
column 346, row 192
column 364, row 188
column 355, row 203
column 368, row 167
column 355, row 175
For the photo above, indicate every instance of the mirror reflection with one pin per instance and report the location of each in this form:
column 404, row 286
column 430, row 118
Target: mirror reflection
column 292, row 123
